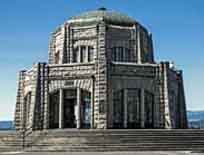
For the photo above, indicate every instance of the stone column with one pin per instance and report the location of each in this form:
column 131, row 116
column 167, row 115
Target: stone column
column 70, row 45
column 139, row 56
column 86, row 54
column 125, row 108
column 92, row 103
column 142, row 112
column 61, row 109
column 78, row 117
column 79, row 55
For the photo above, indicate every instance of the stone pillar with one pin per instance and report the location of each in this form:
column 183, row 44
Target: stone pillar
column 61, row 109
column 142, row 112
column 125, row 108
column 167, row 115
column 86, row 54
column 139, row 56
column 46, row 100
column 79, row 55
column 92, row 103
column 78, row 117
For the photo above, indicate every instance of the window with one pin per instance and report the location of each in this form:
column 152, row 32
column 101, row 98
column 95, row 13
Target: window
column 127, row 55
column 118, row 109
column 114, row 54
column 75, row 54
column 149, row 109
column 82, row 53
column 118, row 54
column 85, row 109
column 133, row 108
column 90, row 53
column 121, row 54
column 57, row 54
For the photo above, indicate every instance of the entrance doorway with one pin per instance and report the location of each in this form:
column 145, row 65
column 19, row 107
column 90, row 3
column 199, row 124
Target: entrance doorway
column 76, row 109
column 70, row 106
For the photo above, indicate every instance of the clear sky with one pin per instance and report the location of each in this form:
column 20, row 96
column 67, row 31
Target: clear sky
column 25, row 27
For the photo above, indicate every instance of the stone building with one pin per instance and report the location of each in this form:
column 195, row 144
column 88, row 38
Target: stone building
column 101, row 73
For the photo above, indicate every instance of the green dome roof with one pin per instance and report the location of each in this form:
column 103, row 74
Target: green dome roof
column 107, row 16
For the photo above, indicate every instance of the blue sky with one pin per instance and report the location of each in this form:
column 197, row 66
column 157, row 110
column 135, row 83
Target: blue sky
column 177, row 28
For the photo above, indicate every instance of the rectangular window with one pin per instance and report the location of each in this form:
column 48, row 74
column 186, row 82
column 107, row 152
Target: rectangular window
column 57, row 57
column 90, row 53
column 75, row 54
column 118, row 54
column 133, row 108
column 119, row 51
column 82, row 53
column 149, row 109
column 114, row 54
column 127, row 57
column 118, row 109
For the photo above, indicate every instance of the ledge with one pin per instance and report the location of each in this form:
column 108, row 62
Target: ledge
column 133, row 64
column 71, row 64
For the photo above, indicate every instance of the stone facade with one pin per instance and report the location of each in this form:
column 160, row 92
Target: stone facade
column 101, row 73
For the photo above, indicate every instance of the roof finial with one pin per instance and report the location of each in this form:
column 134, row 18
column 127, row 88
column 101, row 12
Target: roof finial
column 102, row 9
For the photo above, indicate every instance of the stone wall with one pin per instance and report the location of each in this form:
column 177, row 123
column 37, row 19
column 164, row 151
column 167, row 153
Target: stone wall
column 182, row 111
column 101, row 89
column 19, row 102
column 173, row 96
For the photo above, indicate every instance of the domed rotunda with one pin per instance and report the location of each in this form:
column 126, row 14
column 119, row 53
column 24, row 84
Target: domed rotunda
column 101, row 73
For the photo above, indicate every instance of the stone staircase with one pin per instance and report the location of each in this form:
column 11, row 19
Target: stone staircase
column 105, row 140
column 116, row 140
column 10, row 141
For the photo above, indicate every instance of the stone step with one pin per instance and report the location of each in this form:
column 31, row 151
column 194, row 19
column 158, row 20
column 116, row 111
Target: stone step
column 105, row 140
column 117, row 148
column 121, row 134
column 114, row 140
